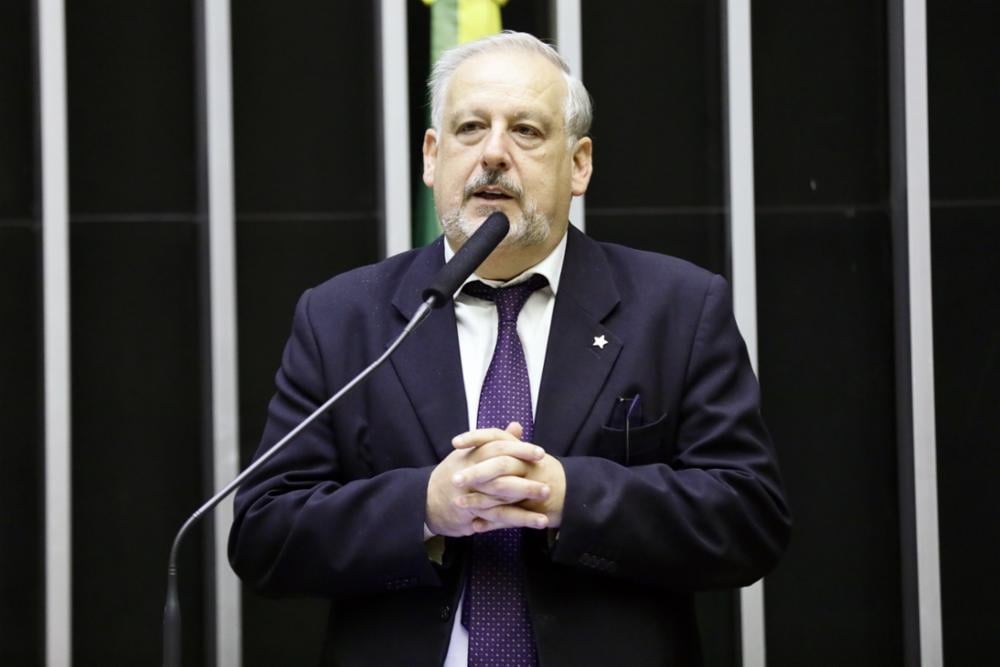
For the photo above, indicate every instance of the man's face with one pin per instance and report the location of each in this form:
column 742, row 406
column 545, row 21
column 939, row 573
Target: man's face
column 503, row 146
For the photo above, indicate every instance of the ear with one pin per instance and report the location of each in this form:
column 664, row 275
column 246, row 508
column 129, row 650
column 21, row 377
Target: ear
column 430, row 150
column 583, row 165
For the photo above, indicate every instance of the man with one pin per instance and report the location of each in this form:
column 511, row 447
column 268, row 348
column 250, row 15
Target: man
column 546, row 482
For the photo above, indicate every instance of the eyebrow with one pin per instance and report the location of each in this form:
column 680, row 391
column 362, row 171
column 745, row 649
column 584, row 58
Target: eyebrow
column 458, row 116
column 531, row 115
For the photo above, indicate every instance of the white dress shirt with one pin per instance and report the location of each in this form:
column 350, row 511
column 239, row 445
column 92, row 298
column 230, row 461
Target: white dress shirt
column 477, row 338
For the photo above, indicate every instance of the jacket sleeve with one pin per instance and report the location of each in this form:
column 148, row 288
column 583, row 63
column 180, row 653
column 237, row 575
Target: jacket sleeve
column 300, row 527
column 711, row 515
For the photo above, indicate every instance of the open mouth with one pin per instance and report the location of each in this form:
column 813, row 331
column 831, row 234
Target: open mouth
column 491, row 194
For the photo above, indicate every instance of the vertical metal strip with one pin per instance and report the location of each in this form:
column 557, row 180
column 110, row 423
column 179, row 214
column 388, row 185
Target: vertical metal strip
column 569, row 39
column 920, row 562
column 742, row 250
column 56, row 317
column 916, row 138
column 395, row 138
column 218, row 150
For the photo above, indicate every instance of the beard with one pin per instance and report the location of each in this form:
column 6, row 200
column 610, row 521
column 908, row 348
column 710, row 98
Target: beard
column 529, row 228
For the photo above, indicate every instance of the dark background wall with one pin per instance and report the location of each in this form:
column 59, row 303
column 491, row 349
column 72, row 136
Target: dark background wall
column 21, row 511
column 964, row 83
column 306, row 123
column 134, row 288
column 306, row 129
column 826, row 322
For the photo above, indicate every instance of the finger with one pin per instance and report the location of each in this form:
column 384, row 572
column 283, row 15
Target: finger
column 508, row 516
column 484, row 526
column 478, row 501
column 518, row 449
column 478, row 474
column 480, row 436
column 515, row 429
column 505, row 490
column 511, row 450
column 513, row 489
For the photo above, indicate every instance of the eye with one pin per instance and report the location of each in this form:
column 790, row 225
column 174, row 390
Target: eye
column 469, row 127
column 527, row 131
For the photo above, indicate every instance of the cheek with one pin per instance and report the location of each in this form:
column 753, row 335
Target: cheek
column 444, row 178
column 452, row 164
column 448, row 190
column 541, row 187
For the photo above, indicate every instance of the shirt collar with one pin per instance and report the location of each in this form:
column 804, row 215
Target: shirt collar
column 550, row 267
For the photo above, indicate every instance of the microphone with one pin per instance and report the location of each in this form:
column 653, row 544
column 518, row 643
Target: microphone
column 469, row 256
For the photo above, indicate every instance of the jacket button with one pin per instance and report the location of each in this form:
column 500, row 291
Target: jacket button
column 446, row 612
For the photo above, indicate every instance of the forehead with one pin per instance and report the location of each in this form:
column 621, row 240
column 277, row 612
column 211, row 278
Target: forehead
column 506, row 82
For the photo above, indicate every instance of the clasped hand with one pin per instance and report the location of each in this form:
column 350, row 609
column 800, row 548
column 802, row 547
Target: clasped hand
column 493, row 479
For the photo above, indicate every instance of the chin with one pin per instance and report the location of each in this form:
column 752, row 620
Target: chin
column 527, row 228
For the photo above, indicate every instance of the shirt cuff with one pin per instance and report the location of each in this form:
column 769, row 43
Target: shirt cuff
column 434, row 545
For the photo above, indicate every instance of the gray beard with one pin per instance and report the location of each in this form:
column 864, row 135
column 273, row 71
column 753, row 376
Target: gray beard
column 530, row 229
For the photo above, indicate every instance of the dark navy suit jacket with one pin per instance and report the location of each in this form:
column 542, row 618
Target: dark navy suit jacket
column 689, row 499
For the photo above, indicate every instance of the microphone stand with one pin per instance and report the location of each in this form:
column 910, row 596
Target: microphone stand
column 172, row 609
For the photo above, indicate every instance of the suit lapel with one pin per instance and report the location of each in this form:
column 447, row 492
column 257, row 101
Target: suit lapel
column 575, row 367
column 428, row 364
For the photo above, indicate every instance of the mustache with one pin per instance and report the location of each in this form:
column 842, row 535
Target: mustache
column 492, row 177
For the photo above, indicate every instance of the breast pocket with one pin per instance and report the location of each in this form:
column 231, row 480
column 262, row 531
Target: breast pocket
column 637, row 445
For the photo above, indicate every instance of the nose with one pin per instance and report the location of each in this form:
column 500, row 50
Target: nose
column 496, row 153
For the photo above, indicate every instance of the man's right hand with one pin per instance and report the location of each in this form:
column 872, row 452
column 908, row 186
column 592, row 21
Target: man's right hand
column 496, row 470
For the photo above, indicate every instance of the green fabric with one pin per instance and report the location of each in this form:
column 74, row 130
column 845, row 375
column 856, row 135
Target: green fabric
column 444, row 27
column 444, row 35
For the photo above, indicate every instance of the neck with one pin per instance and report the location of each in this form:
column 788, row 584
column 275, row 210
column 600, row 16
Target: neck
column 506, row 263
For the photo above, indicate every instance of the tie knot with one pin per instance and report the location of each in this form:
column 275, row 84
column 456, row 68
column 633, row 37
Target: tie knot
column 509, row 299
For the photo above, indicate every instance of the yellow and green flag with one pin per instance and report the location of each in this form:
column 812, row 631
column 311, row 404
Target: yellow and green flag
column 453, row 22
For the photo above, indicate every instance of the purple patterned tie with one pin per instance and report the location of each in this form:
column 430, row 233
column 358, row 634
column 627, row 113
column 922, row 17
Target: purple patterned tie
column 496, row 609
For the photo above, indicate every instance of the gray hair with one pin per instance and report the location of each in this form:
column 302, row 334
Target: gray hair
column 576, row 108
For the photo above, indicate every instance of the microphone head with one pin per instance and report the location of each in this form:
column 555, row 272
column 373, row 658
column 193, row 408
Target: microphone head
column 473, row 253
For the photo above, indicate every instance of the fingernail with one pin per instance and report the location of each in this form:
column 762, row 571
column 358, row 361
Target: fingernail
column 457, row 441
column 539, row 452
column 546, row 491
column 458, row 479
column 541, row 522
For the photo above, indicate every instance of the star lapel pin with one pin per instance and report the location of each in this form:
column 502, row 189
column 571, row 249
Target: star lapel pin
column 600, row 341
